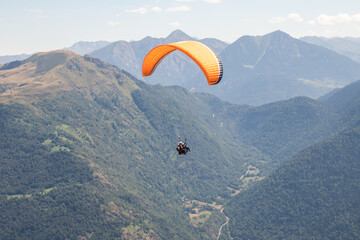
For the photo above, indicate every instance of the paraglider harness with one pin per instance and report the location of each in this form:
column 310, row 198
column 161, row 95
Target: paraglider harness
column 182, row 148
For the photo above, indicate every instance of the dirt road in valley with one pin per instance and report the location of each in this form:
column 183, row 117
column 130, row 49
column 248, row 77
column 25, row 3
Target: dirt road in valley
column 227, row 221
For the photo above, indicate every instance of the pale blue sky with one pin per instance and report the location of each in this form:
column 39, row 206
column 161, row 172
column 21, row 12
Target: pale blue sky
column 29, row 26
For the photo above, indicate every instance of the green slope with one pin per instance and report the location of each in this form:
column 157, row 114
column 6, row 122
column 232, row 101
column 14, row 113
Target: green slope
column 88, row 151
column 278, row 129
column 312, row 196
column 47, row 190
column 100, row 183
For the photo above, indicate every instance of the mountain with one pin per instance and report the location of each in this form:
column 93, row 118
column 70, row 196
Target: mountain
column 312, row 195
column 346, row 103
column 176, row 69
column 88, row 151
column 215, row 44
column 343, row 98
column 346, row 46
column 275, row 66
column 282, row 128
column 11, row 58
column 83, row 48
column 80, row 48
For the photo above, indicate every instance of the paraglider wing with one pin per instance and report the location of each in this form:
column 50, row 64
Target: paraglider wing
column 204, row 57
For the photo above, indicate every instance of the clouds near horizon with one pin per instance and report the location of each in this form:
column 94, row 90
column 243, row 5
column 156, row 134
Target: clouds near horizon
column 322, row 19
column 339, row 18
column 144, row 10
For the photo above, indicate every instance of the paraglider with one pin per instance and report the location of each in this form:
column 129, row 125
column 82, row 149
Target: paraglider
column 201, row 54
column 182, row 148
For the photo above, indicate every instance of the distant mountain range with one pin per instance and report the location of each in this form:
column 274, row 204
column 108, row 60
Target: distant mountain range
column 273, row 67
column 80, row 48
column 176, row 69
column 257, row 70
column 11, row 58
column 88, row 151
column 347, row 46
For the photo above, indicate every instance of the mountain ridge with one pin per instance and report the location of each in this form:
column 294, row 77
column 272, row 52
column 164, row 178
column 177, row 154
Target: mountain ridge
column 277, row 67
column 129, row 56
column 346, row 46
column 51, row 73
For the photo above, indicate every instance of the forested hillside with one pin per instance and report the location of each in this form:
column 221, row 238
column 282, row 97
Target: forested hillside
column 278, row 129
column 314, row 195
column 88, row 151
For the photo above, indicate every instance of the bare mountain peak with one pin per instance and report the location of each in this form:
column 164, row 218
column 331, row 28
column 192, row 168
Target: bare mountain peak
column 178, row 35
column 50, row 59
column 63, row 54
column 53, row 73
column 278, row 33
column 45, row 61
column 277, row 38
column 274, row 36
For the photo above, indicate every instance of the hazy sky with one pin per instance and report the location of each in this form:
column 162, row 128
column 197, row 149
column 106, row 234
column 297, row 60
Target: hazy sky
column 29, row 26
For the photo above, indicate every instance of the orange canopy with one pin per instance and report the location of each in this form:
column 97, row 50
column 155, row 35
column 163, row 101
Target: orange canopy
column 205, row 58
